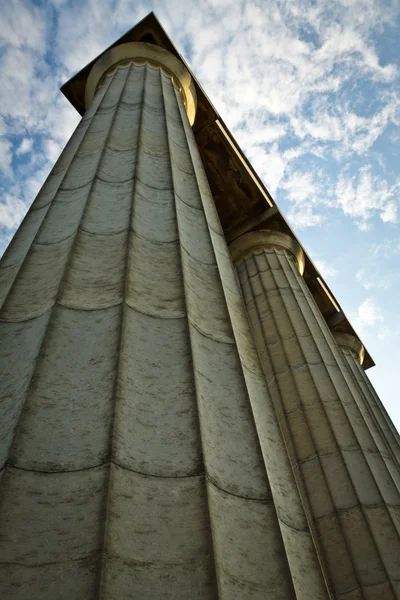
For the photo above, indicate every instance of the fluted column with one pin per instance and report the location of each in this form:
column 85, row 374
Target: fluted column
column 132, row 464
column 380, row 425
column 345, row 478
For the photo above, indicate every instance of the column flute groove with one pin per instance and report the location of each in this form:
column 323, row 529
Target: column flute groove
column 46, row 508
column 37, row 207
column 181, row 249
column 389, row 431
column 62, row 279
column 101, row 585
column 157, row 481
column 346, row 409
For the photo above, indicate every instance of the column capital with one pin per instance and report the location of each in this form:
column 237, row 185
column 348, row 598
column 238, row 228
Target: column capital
column 267, row 238
column 152, row 54
column 346, row 340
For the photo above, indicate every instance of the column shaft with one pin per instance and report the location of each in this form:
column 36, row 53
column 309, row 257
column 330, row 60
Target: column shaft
column 130, row 448
column 345, row 484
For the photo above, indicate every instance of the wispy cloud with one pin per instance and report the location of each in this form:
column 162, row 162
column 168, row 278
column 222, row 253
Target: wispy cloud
column 364, row 195
column 325, row 268
column 368, row 315
column 12, row 210
column 24, row 147
column 373, row 277
column 5, row 157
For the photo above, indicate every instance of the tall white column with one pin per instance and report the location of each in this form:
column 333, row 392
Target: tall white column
column 131, row 460
column 347, row 482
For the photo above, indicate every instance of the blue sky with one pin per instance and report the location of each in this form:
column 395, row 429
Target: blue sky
column 310, row 89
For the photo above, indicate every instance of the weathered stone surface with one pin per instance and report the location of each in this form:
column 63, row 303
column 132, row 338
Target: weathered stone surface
column 344, row 479
column 68, row 412
column 19, row 349
column 123, row 388
column 156, row 425
column 238, row 556
column 77, row 579
column 37, row 512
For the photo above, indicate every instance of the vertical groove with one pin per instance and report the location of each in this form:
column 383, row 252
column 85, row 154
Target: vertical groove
column 115, row 395
column 355, row 370
column 283, row 410
column 371, row 429
column 220, row 342
column 385, row 423
column 147, row 553
column 374, row 412
column 375, row 524
column 294, row 469
column 70, row 254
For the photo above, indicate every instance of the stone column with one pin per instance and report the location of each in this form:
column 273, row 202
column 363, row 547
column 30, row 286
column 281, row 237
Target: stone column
column 131, row 459
column 346, row 481
column 384, row 433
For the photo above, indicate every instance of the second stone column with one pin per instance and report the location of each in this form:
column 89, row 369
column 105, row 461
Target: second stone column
column 344, row 482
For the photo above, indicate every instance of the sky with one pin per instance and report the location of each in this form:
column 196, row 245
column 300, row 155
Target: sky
column 310, row 90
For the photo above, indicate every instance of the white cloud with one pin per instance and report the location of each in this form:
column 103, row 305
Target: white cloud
column 374, row 277
column 24, row 147
column 308, row 194
column 368, row 315
column 389, row 213
column 276, row 72
column 363, row 278
column 35, row 182
column 355, row 133
column 5, row 156
column 289, row 79
column 23, row 24
column 252, row 135
column 301, row 187
column 367, row 195
column 385, row 249
column 303, row 216
column 325, row 269
column 52, row 149
column 12, row 211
